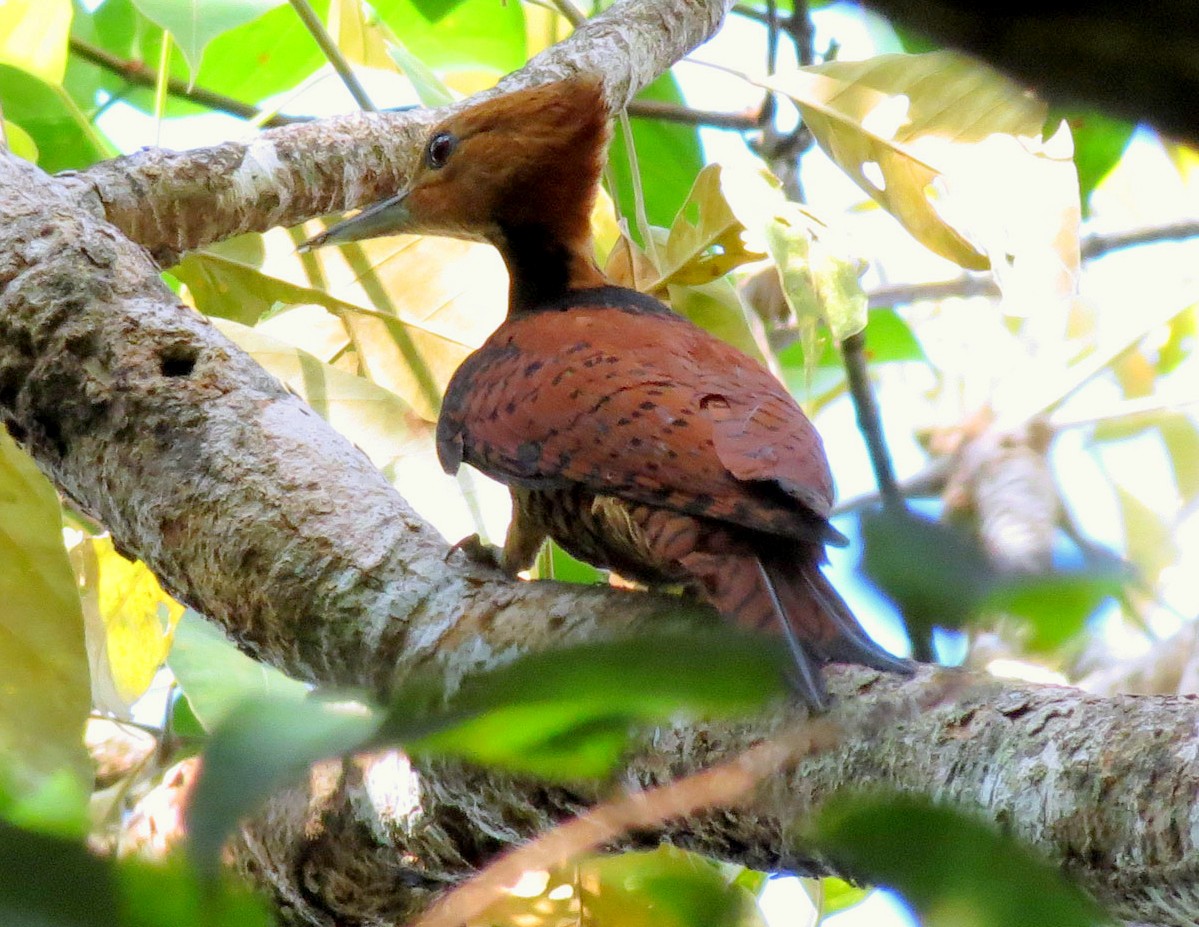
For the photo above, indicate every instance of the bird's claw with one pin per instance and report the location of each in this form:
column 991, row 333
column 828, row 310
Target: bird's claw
column 478, row 551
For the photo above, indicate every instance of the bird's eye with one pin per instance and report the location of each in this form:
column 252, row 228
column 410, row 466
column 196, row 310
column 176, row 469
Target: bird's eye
column 439, row 149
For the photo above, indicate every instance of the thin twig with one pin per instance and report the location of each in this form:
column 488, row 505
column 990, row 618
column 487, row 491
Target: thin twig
column 333, row 54
column 853, row 350
column 1093, row 246
column 139, row 73
column 727, row 783
column 671, row 112
column 569, row 12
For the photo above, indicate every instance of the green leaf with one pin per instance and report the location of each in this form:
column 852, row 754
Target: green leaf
column 1147, row 537
column 258, row 747
column 55, row 882
column 52, row 882
column 1181, row 438
column 953, row 869
column 33, row 37
column 1099, row 144
column 172, row 896
column 668, row 154
column 63, row 136
column 818, row 273
column 45, row 696
column 20, row 142
column 1055, row 606
column 216, row 677
column 428, row 87
column 831, row 895
column 459, row 35
column 195, row 23
column 565, row 568
column 935, row 574
column 717, row 308
column 566, row 714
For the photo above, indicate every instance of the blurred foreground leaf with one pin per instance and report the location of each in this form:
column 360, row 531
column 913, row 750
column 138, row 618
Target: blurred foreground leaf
column 566, row 714
column 953, row 869
column 54, row 882
column 563, row 715
column 939, row 576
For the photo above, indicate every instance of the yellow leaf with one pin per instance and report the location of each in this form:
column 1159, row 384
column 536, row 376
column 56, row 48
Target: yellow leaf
column 44, row 697
column 954, row 151
column 412, row 307
column 705, row 240
column 20, row 142
column 130, row 621
column 359, row 37
column 33, row 36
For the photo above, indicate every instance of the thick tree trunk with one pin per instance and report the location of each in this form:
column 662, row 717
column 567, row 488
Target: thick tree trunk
column 251, row 509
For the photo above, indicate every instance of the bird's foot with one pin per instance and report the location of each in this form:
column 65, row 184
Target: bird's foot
column 478, row 551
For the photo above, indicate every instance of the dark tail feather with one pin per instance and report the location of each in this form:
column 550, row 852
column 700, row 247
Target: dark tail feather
column 805, row 675
column 788, row 592
column 819, row 617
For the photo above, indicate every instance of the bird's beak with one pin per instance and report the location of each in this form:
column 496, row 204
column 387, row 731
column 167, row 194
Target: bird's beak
column 387, row 217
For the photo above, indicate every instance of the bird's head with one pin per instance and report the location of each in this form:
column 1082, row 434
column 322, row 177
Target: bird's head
column 529, row 160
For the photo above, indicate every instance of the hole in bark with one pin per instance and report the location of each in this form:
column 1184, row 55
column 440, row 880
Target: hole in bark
column 178, row 361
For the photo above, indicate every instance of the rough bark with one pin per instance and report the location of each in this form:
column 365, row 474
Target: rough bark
column 255, row 512
column 172, row 202
column 251, row 509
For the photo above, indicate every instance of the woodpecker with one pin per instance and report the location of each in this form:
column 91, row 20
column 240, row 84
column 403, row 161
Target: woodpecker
column 635, row 439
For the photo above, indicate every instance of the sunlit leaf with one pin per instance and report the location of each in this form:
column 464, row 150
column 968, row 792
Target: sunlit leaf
column 954, row 151
column 33, row 36
column 358, row 35
column 1147, row 537
column 717, row 308
column 64, row 137
column 951, row 868
column 1181, row 437
column 195, row 23
column 374, row 419
column 831, row 895
column 667, row 887
column 413, row 307
column 216, row 677
column 20, row 142
column 130, row 621
column 44, row 696
column 428, row 87
column 705, row 240
column 469, row 44
column 818, row 273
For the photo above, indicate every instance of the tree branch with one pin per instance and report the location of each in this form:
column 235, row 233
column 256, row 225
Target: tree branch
column 252, row 509
column 141, row 74
column 171, row 202
column 1092, row 246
